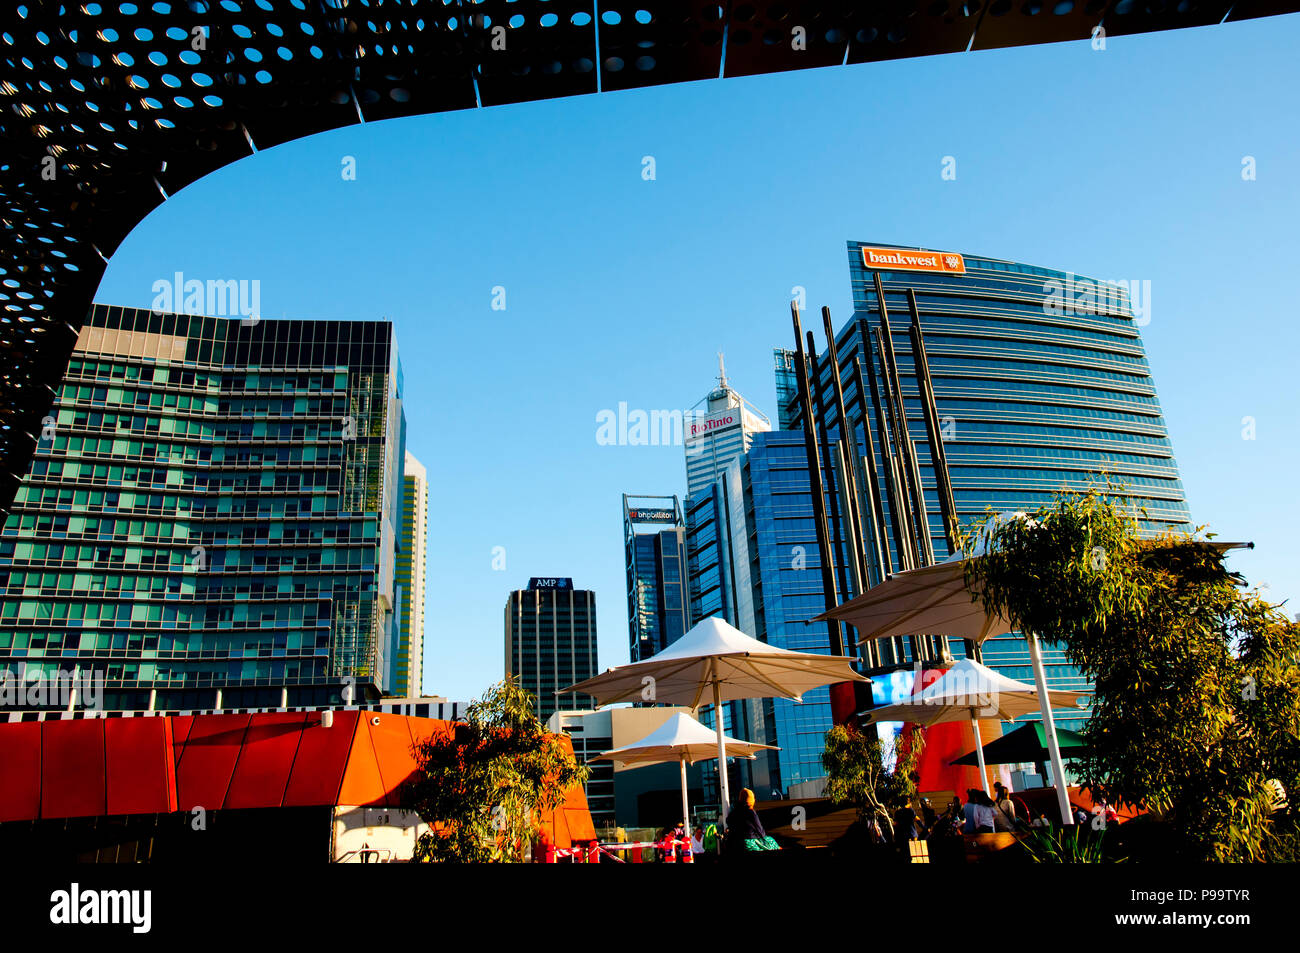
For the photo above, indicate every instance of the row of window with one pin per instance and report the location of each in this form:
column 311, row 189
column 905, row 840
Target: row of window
column 175, row 376
column 187, row 405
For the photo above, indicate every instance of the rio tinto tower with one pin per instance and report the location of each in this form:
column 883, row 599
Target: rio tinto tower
column 718, row 430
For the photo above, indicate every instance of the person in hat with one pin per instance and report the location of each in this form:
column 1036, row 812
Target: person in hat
column 745, row 832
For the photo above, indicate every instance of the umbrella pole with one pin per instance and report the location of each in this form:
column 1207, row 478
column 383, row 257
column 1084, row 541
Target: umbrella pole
column 686, row 808
column 722, row 749
column 979, row 754
column 1049, row 729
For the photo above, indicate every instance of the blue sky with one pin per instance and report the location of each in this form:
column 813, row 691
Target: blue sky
column 1122, row 163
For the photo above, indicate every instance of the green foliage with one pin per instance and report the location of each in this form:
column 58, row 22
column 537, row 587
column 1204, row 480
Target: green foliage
column 856, row 773
column 485, row 784
column 1078, row 844
column 1196, row 715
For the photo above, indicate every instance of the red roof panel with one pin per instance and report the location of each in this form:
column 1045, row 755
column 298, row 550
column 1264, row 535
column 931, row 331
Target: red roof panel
column 72, row 768
column 139, row 766
column 265, row 760
column 320, row 760
column 208, row 759
column 20, row 764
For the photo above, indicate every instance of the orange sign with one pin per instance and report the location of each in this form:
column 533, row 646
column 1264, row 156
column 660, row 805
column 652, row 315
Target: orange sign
column 903, row 259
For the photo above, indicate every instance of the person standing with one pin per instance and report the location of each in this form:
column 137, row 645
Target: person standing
column 984, row 813
column 904, row 827
column 969, row 810
column 1004, row 809
column 928, row 817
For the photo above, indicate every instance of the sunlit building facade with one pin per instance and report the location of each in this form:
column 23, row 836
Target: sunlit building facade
column 408, row 659
column 210, row 519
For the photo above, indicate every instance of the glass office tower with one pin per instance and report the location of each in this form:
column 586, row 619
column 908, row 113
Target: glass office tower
column 654, row 541
column 550, row 642
column 1040, row 384
column 717, row 562
column 211, row 515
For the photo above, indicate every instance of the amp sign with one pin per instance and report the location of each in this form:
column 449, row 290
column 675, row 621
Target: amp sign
column 537, row 582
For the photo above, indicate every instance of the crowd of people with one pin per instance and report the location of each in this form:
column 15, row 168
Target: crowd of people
column 980, row 814
column 742, row 834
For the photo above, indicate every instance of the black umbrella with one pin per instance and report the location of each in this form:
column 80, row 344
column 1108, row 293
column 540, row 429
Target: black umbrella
column 1028, row 743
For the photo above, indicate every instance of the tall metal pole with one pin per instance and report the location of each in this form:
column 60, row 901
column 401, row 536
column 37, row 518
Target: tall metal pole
column 898, row 409
column 815, row 481
column 857, row 581
column 897, row 509
column 934, row 432
column 850, row 454
column 836, row 528
column 897, row 505
column 884, row 565
column 935, row 645
column 938, row 452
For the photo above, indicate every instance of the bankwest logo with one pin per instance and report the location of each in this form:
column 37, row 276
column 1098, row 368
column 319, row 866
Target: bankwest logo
column 894, row 259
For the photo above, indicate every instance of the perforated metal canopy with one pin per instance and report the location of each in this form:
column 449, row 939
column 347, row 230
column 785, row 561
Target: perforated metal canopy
column 107, row 107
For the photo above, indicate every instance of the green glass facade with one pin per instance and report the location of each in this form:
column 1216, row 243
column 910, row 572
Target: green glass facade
column 212, row 508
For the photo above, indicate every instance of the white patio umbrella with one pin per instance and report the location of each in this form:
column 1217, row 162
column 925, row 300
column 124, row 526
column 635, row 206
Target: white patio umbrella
column 683, row 739
column 718, row 659
column 934, row 600
column 971, row 690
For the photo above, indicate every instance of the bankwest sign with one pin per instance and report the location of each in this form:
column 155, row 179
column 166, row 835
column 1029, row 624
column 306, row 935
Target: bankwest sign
column 899, row 259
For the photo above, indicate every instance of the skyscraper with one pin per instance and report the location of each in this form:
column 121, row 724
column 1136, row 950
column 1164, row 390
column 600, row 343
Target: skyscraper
column 654, row 540
column 408, row 660
column 1039, row 383
column 719, row 429
column 718, row 565
column 210, row 518
column 550, row 642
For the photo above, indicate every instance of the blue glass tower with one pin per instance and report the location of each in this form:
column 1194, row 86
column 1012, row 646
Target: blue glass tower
column 1040, row 384
column 654, row 538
